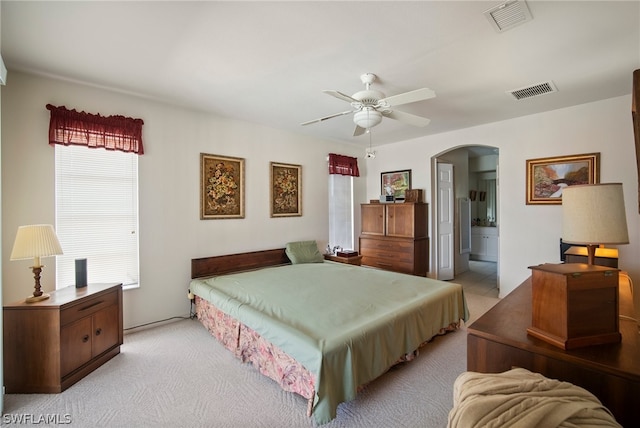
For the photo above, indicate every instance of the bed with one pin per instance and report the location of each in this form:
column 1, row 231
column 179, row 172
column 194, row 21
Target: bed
column 320, row 329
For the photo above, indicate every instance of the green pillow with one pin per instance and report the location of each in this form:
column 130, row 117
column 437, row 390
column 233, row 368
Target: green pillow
column 303, row 252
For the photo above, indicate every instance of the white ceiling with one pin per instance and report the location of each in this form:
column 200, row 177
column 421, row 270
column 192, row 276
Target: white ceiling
column 268, row 62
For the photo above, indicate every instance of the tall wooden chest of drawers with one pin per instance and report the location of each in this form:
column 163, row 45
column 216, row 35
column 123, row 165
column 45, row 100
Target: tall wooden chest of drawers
column 394, row 237
column 52, row 344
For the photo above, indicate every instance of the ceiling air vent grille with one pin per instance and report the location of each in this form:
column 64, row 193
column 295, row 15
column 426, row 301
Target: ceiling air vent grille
column 508, row 15
column 533, row 90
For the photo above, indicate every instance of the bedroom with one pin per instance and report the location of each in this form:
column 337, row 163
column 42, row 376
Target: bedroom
column 171, row 232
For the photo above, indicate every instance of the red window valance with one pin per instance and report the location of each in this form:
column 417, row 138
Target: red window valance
column 93, row 130
column 343, row 165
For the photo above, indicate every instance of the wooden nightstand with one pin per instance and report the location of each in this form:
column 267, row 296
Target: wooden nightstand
column 355, row 260
column 52, row 344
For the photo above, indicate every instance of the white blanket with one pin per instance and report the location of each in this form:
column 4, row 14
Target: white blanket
column 520, row 398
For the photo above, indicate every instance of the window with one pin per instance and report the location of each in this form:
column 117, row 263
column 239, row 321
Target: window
column 97, row 214
column 341, row 211
column 342, row 169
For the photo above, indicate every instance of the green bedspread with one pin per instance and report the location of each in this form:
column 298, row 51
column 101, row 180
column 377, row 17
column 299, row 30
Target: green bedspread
column 346, row 324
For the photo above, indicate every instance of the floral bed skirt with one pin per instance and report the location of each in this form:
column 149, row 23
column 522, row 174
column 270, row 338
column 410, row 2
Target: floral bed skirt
column 270, row 360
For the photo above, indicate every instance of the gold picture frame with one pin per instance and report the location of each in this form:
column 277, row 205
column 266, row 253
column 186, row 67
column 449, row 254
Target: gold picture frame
column 547, row 176
column 221, row 187
column 286, row 190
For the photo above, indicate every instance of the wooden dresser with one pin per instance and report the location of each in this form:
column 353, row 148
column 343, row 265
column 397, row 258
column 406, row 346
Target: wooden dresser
column 394, row 237
column 498, row 341
column 52, row 344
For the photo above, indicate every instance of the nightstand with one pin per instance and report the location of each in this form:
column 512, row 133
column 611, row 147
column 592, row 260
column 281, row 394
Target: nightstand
column 355, row 260
column 52, row 344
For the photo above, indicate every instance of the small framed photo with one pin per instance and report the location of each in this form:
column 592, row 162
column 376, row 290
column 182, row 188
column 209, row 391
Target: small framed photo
column 546, row 177
column 395, row 183
column 221, row 187
column 286, row 190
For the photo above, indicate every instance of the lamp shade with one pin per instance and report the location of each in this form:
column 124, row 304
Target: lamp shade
column 35, row 241
column 594, row 214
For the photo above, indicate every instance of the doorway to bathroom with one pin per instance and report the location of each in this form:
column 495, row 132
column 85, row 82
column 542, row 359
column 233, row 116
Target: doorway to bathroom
column 465, row 217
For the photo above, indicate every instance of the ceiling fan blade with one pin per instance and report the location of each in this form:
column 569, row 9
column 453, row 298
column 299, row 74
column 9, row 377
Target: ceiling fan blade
column 359, row 131
column 340, row 95
column 409, row 119
column 326, row 117
column 407, row 97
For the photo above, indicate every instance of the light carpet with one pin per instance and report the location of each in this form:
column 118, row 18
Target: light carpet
column 177, row 375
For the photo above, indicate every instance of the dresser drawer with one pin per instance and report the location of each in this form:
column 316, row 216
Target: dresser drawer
column 395, row 254
column 388, row 264
column 395, row 245
column 87, row 307
column 388, row 255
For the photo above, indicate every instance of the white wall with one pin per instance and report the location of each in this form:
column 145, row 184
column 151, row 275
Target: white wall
column 529, row 234
column 171, row 232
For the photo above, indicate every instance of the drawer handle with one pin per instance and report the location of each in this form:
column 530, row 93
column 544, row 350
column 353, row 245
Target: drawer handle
column 85, row 338
column 91, row 305
column 98, row 331
column 384, row 264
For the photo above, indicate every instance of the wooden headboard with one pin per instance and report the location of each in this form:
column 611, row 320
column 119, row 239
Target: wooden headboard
column 229, row 263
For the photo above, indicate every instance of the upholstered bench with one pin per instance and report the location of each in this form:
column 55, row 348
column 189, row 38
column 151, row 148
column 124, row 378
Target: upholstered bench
column 520, row 398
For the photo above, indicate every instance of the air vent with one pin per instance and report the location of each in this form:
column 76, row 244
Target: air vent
column 533, row 90
column 508, row 15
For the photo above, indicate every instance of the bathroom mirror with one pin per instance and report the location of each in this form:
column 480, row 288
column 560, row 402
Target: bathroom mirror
column 488, row 205
column 484, row 209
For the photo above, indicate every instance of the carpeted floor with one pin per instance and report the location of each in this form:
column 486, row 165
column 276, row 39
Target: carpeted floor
column 177, row 375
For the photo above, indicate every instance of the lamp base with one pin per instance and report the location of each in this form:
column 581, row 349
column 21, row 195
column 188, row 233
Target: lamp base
column 33, row 299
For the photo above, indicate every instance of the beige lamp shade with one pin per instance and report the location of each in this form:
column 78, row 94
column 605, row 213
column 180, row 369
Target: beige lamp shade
column 35, row 241
column 594, row 214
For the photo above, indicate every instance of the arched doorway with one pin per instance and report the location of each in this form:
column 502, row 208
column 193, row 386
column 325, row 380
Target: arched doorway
column 471, row 206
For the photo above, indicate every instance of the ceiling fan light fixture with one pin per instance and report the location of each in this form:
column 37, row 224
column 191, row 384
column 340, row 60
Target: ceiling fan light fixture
column 367, row 118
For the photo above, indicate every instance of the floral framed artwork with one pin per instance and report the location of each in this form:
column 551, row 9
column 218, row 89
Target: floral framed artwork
column 395, row 183
column 286, row 190
column 546, row 177
column 221, row 187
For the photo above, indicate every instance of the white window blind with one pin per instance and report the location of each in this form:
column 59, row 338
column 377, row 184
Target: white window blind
column 97, row 214
column 341, row 211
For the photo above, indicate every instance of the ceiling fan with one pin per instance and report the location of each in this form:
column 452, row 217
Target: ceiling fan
column 370, row 105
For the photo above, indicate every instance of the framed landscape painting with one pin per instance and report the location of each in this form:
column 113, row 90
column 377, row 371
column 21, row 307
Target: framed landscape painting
column 395, row 183
column 221, row 187
column 546, row 177
column 286, row 190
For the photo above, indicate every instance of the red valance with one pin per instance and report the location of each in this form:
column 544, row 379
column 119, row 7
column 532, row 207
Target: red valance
column 93, row 130
column 343, row 165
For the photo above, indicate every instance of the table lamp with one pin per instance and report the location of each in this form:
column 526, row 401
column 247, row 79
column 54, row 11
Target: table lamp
column 593, row 215
column 35, row 241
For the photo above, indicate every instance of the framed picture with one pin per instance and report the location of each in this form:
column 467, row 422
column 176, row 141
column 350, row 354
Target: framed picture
column 546, row 177
column 221, row 187
column 395, row 183
column 286, row 190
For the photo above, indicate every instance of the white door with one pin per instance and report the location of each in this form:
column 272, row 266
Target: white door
column 445, row 213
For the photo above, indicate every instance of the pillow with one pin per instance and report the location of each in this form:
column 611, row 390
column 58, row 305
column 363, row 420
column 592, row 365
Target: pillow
column 303, row 252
